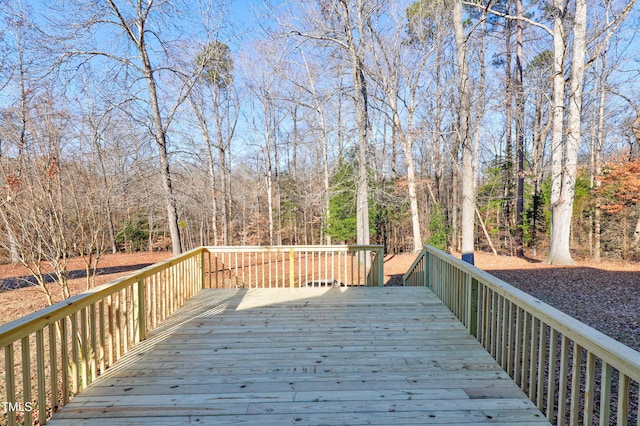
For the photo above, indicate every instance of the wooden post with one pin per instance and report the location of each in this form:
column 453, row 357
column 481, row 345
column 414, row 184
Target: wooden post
column 472, row 317
column 202, row 271
column 10, row 382
column 381, row 267
column 139, row 311
column 427, row 265
column 40, row 365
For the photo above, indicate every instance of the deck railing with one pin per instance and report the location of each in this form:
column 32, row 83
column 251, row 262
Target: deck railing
column 294, row 266
column 573, row 373
column 54, row 353
column 49, row 356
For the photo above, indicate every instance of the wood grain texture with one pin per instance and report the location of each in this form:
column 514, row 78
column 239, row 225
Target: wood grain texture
column 306, row 356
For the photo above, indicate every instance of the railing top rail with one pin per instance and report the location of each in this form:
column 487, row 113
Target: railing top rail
column 606, row 348
column 21, row 327
column 282, row 249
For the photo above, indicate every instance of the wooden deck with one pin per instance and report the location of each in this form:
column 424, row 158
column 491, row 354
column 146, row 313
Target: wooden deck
column 306, row 356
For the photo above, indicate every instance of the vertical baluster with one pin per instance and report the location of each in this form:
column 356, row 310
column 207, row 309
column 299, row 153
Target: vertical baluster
column 270, row 270
column 217, row 271
column 299, row 255
column 589, row 389
column 53, row 366
column 325, row 274
column 511, row 336
column 153, row 299
column 209, row 270
column 518, row 348
column 504, row 333
column 250, row 271
column 495, row 333
column 576, row 381
column 345, row 261
column 485, row 295
column 533, row 357
column 359, row 266
column 278, row 262
column 242, row 269
column 40, row 367
column 102, row 326
column 127, row 323
column 563, row 385
column 623, row 399
column 26, row 377
column 526, row 348
column 551, row 381
column 117, row 326
column 64, row 357
column 542, row 361
column 333, row 275
column 500, row 328
column 292, row 270
column 75, row 357
column 93, row 341
column 10, row 381
column 638, row 404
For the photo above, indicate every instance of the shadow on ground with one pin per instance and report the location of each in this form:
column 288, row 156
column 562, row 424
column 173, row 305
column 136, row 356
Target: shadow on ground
column 15, row 283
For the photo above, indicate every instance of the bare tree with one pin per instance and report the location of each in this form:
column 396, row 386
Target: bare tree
column 399, row 70
column 140, row 25
column 335, row 25
column 217, row 82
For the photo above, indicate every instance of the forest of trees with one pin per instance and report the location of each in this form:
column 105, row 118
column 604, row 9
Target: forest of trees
column 505, row 125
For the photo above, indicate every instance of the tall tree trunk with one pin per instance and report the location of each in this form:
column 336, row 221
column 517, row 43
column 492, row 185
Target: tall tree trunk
column 204, row 130
column 362, row 122
column 562, row 207
column 597, row 163
column 508, row 149
column 464, row 92
column 519, row 240
column 161, row 141
column 222, row 161
column 559, row 250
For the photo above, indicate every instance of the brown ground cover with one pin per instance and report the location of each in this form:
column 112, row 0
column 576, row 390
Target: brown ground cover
column 17, row 303
column 605, row 295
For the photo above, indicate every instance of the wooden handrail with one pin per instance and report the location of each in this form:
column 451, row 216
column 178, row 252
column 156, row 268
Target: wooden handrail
column 527, row 337
column 17, row 329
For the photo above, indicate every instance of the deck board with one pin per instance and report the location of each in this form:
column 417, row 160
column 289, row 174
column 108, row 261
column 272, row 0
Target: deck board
column 306, row 356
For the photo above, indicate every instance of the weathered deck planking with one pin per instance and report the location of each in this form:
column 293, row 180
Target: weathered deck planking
column 306, row 356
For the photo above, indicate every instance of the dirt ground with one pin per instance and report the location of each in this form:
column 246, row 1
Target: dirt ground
column 17, row 303
column 604, row 295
